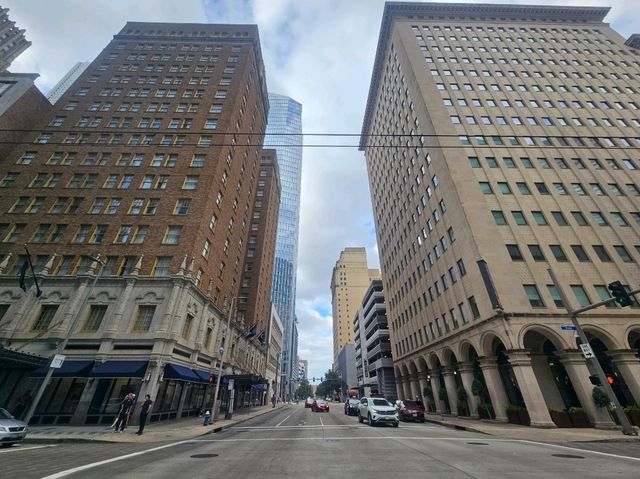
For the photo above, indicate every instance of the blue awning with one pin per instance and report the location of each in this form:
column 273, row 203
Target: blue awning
column 259, row 387
column 69, row 369
column 203, row 375
column 120, row 369
column 180, row 373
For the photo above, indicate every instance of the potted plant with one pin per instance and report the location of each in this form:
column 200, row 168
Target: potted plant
column 442, row 395
column 428, row 394
column 601, row 399
column 463, row 408
column 560, row 418
column 477, row 388
column 578, row 417
column 633, row 413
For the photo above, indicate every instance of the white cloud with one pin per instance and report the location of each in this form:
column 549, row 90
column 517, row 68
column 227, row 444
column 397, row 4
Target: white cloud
column 319, row 52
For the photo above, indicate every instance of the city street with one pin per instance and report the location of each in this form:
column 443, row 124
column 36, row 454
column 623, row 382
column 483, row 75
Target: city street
column 295, row 442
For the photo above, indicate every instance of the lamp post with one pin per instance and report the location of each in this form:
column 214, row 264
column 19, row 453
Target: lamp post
column 58, row 357
column 222, row 357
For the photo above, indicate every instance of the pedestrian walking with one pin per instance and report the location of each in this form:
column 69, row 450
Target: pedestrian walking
column 123, row 413
column 144, row 412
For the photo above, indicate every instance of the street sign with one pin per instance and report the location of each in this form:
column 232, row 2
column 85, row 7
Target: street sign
column 57, row 361
column 568, row 327
column 230, row 387
column 587, row 352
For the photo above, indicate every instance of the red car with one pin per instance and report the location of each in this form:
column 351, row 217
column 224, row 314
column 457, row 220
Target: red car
column 410, row 410
column 320, row 405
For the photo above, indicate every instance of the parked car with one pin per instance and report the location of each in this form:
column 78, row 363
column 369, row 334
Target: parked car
column 410, row 410
column 351, row 406
column 320, row 405
column 12, row 430
column 377, row 410
column 308, row 402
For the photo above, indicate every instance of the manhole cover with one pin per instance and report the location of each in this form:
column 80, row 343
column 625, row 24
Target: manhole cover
column 478, row 443
column 203, row 456
column 568, row 456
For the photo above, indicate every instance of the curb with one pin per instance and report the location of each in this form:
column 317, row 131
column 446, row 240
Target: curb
column 88, row 440
column 457, row 427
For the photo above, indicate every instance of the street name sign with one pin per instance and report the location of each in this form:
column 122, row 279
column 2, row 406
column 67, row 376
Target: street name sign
column 568, row 327
column 56, row 362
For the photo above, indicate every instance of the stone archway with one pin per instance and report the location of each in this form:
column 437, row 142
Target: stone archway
column 425, row 387
column 454, row 385
column 634, row 340
column 474, row 382
column 438, row 385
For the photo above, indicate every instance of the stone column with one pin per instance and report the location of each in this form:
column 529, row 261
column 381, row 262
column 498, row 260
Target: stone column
column 546, row 381
column 414, row 386
column 466, row 374
column 435, row 386
column 520, row 361
column 399, row 390
column 422, row 383
column 151, row 381
column 578, row 372
column 79, row 417
column 629, row 366
column 495, row 387
column 450, row 385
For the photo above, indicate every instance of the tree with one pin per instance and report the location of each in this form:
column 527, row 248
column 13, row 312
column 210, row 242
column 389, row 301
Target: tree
column 304, row 390
column 331, row 385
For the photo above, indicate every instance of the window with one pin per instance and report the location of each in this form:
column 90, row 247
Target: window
column 558, row 252
column 599, row 218
column 619, row 218
column 581, row 295
column 123, row 234
column 555, row 295
column 504, row 187
column 539, row 218
column 142, row 323
column 580, row 253
column 533, row 295
column 141, row 233
column 623, row 253
column 499, row 217
column 514, row 252
column 182, row 206
column 43, row 322
column 172, row 235
column 94, row 318
column 485, row 187
column 474, row 307
column 186, row 326
column 519, row 218
column 161, row 267
column 190, row 183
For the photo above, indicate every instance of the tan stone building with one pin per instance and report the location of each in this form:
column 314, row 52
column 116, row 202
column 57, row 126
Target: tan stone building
column 512, row 147
column 350, row 280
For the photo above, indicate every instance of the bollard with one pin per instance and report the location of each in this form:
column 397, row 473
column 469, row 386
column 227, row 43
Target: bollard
column 207, row 417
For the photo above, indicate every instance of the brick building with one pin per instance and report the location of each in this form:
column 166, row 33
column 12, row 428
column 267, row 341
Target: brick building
column 145, row 160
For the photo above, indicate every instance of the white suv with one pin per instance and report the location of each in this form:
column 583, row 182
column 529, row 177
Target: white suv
column 377, row 410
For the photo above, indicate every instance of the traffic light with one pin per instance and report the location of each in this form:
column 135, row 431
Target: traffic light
column 595, row 380
column 620, row 293
column 212, row 379
column 610, row 379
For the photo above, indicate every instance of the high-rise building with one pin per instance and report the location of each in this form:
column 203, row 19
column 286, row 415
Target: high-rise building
column 303, row 367
column 514, row 151
column 145, row 161
column 284, row 134
column 373, row 360
column 66, row 81
column 350, row 280
column 12, row 40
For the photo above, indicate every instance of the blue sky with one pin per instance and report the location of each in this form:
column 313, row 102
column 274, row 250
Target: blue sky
column 319, row 52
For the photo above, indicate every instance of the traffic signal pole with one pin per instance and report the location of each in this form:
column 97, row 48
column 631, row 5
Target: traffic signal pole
column 591, row 358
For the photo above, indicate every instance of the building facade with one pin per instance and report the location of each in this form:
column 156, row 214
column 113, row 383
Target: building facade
column 373, row 357
column 346, row 366
column 145, row 161
column 520, row 156
column 274, row 356
column 349, row 281
column 12, row 40
column 66, row 81
column 284, row 134
column 303, row 368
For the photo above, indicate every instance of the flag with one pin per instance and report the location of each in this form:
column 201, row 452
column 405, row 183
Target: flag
column 263, row 338
column 23, row 272
column 251, row 333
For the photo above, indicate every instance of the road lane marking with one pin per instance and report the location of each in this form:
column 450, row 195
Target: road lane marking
column 18, row 449
column 278, row 425
column 73, row 470
column 579, row 450
column 321, row 423
column 327, row 426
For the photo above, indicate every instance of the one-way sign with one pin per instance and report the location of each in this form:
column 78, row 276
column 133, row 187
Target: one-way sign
column 587, row 352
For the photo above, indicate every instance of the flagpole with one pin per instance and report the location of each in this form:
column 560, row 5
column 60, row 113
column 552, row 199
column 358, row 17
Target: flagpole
column 35, row 280
column 60, row 349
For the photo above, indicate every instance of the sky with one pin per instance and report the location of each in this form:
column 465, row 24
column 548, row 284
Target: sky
column 318, row 52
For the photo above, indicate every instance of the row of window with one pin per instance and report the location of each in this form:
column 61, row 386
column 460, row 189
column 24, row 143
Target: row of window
column 132, row 107
column 562, row 164
column 146, row 93
column 67, row 158
column 537, row 121
column 178, row 141
column 128, row 122
column 579, row 291
column 89, row 180
column 560, row 219
column 542, row 141
column 591, row 34
column 578, row 250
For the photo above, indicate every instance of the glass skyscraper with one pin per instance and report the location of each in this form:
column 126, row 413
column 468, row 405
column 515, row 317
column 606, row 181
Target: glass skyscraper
column 283, row 133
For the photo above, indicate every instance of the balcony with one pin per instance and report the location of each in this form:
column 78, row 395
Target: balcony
column 379, row 322
column 380, row 348
column 382, row 363
column 378, row 335
column 376, row 309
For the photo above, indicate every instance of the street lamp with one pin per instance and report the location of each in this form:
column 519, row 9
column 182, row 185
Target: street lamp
column 222, row 357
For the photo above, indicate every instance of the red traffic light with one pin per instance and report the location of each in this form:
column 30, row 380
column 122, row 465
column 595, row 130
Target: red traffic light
column 611, row 379
column 211, row 378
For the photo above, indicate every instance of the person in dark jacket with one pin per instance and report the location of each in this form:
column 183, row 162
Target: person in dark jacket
column 126, row 407
column 144, row 412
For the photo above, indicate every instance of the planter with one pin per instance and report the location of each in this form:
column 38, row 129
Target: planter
column 463, row 410
column 513, row 416
column 561, row 418
column 525, row 420
column 579, row 419
column 634, row 417
column 486, row 412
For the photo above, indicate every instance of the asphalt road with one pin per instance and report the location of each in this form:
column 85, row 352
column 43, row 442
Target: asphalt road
column 293, row 442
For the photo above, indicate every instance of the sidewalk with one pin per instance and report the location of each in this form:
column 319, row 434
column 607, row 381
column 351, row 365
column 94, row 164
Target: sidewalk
column 513, row 431
column 173, row 430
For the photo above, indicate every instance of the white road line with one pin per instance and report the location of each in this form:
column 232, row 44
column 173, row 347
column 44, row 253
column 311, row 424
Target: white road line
column 278, row 425
column 18, row 449
column 577, row 449
column 321, row 423
column 68, row 472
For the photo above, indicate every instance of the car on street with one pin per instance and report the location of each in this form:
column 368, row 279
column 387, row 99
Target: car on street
column 410, row 410
column 320, row 405
column 351, row 406
column 308, row 402
column 377, row 411
column 12, row 430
